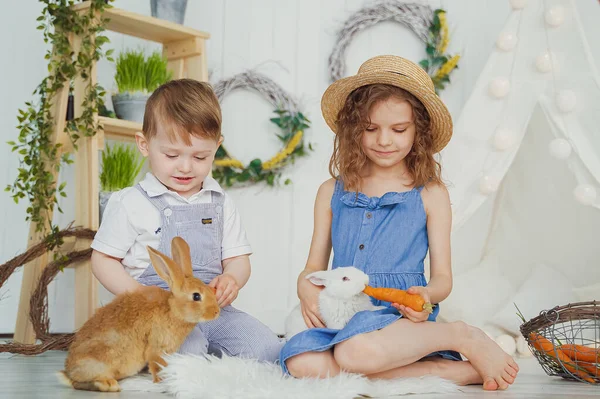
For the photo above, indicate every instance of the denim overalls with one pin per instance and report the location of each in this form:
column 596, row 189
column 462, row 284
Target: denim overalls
column 234, row 332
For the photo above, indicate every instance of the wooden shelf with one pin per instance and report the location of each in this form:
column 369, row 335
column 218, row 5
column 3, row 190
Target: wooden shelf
column 185, row 50
column 119, row 129
column 145, row 27
column 112, row 129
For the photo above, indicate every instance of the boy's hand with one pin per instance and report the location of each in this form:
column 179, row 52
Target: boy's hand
column 226, row 289
column 411, row 314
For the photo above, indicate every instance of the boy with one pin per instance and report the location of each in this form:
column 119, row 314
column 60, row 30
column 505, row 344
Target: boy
column 181, row 134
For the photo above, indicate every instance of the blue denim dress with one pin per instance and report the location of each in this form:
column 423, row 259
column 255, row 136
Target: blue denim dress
column 385, row 237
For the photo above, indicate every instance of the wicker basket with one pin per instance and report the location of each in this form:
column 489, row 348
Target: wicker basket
column 575, row 323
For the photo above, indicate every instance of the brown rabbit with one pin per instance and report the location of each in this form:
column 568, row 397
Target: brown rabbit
column 136, row 328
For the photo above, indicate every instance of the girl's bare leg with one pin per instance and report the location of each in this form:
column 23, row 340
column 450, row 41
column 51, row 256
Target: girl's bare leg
column 404, row 342
column 313, row 364
column 322, row 365
column 319, row 364
column 460, row 372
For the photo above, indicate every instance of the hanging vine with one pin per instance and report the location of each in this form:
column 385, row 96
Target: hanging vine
column 38, row 150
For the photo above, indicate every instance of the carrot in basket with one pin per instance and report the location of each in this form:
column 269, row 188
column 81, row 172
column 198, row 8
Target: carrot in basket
column 545, row 346
column 401, row 297
column 584, row 356
column 580, row 352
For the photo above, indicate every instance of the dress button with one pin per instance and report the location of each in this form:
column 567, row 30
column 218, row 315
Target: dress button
column 168, row 212
column 369, row 215
column 361, row 246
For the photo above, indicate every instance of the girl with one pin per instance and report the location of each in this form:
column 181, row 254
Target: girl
column 384, row 209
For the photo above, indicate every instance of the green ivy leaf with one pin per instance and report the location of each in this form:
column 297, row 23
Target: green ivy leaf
column 221, row 153
column 255, row 165
column 244, row 176
column 440, row 60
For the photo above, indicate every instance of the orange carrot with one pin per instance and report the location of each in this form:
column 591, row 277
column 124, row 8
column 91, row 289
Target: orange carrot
column 584, row 356
column 401, row 297
column 580, row 352
column 545, row 346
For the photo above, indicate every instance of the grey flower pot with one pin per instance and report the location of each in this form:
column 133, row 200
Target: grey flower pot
column 103, row 201
column 170, row 10
column 130, row 106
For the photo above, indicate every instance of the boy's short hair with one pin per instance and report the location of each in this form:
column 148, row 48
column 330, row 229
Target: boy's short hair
column 183, row 107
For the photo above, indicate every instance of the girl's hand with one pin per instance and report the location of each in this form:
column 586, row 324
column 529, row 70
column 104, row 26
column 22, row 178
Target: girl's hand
column 308, row 293
column 411, row 314
column 226, row 289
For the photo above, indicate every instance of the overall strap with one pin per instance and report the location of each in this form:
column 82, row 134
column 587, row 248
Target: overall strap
column 217, row 198
column 158, row 201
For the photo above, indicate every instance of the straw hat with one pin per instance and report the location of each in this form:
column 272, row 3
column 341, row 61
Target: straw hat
column 396, row 71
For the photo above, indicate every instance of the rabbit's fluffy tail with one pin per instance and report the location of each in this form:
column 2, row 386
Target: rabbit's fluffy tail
column 107, row 385
column 64, row 379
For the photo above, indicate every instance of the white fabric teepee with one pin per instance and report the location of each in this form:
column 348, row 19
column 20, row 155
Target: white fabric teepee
column 526, row 213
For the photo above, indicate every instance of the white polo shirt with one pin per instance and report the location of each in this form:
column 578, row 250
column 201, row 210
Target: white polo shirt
column 130, row 223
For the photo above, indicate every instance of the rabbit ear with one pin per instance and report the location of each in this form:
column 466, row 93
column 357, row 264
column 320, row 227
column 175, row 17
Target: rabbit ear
column 318, row 278
column 166, row 268
column 181, row 255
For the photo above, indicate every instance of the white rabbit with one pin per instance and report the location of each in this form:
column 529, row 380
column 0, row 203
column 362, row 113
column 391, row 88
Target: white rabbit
column 341, row 299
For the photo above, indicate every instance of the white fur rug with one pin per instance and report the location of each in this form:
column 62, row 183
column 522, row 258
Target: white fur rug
column 189, row 376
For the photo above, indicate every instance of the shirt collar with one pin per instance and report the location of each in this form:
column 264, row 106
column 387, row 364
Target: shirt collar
column 153, row 187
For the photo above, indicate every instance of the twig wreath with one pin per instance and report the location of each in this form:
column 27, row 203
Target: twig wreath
column 38, row 304
column 229, row 170
column 429, row 25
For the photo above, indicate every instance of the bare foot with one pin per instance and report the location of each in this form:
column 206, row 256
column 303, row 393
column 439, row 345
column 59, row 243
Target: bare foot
column 496, row 368
column 462, row 373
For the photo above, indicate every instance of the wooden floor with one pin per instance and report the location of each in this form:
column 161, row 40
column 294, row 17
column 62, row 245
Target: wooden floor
column 34, row 377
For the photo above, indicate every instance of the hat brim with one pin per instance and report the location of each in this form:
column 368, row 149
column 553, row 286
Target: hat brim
column 441, row 121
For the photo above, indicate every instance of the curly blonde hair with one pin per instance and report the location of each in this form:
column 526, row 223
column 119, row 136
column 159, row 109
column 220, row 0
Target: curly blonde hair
column 348, row 158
